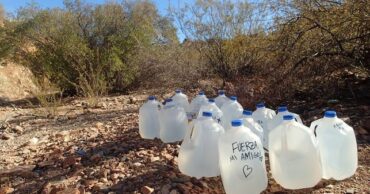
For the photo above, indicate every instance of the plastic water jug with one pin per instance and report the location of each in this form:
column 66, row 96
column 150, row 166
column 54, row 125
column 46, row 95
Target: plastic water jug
column 337, row 145
column 251, row 124
column 211, row 107
column 262, row 114
column 242, row 160
column 294, row 155
column 231, row 110
column 173, row 122
column 276, row 121
column 198, row 155
column 181, row 99
column 149, row 119
column 221, row 99
column 196, row 103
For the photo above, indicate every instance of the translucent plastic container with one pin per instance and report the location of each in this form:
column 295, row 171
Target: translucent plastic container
column 231, row 110
column 196, row 103
column 242, row 160
column 337, row 145
column 211, row 107
column 173, row 122
column 249, row 122
column 294, row 155
column 276, row 121
column 262, row 114
column 221, row 99
column 198, row 155
column 181, row 99
column 149, row 119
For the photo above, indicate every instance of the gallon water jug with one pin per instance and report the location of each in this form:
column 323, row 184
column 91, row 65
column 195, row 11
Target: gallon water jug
column 221, row 99
column 198, row 155
column 173, row 122
column 337, row 145
column 181, row 99
column 277, row 120
column 196, row 103
column 249, row 122
column 262, row 114
column 149, row 119
column 211, row 107
column 242, row 160
column 231, row 110
column 294, row 156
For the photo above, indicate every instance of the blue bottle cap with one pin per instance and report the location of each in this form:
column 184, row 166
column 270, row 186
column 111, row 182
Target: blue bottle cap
column 168, row 100
column 178, row 91
column 201, row 93
column 221, row 92
column 247, row 112
column 330, row 114
column 288, row 117
column 260, row 105
column 207, row 114
column 236, row 123
column 233, row 98
column 282, row 108
column 211, row 100
column 151, row 98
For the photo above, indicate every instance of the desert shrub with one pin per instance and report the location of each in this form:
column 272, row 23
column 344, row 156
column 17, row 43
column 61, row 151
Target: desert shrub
column 86, row 49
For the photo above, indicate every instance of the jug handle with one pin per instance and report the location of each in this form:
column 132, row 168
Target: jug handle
column 190, row 131
column 284, row 142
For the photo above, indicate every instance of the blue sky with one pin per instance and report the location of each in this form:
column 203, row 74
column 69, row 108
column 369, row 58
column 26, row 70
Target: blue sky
column 12, row 5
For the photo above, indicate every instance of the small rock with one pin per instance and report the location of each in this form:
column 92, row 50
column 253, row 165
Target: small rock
column 132, row 100
column 166, row 189
column 137, row 164
column 69, row 161
column 69, row 191
column 114, row 176
column 99, row 125
column 168, row 156
column 174, row 192
column 33, row 141
column 103, row 180
column 96, row 157
column 350, row 191
column 146, row 190
column 330, row 186
column 6, row 190
column 154, row 158
column 6, row 136
column 18, row 129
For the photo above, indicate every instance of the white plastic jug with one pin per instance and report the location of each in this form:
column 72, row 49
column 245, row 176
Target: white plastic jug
column 231, row 110
column 149, row 119
column 196, row 103
column 242, row 160
column 181, row 99
column 262, row 114
column 173, row 122
column 294, row 155
column 198, row 155
column 337, row 145
column 251, row 124
column 221, row 99
column 211, row 107
column 276, row 121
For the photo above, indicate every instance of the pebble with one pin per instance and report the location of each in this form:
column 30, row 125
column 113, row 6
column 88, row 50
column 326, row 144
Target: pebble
column 146, row 190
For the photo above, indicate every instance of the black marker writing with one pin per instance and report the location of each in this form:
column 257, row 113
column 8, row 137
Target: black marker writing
column 247, row 170
column 244, row 146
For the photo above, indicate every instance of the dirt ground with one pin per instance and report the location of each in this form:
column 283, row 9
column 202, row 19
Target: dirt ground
column 85, row 149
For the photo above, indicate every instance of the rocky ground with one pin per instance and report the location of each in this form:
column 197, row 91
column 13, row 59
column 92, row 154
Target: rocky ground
column 97, row 149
